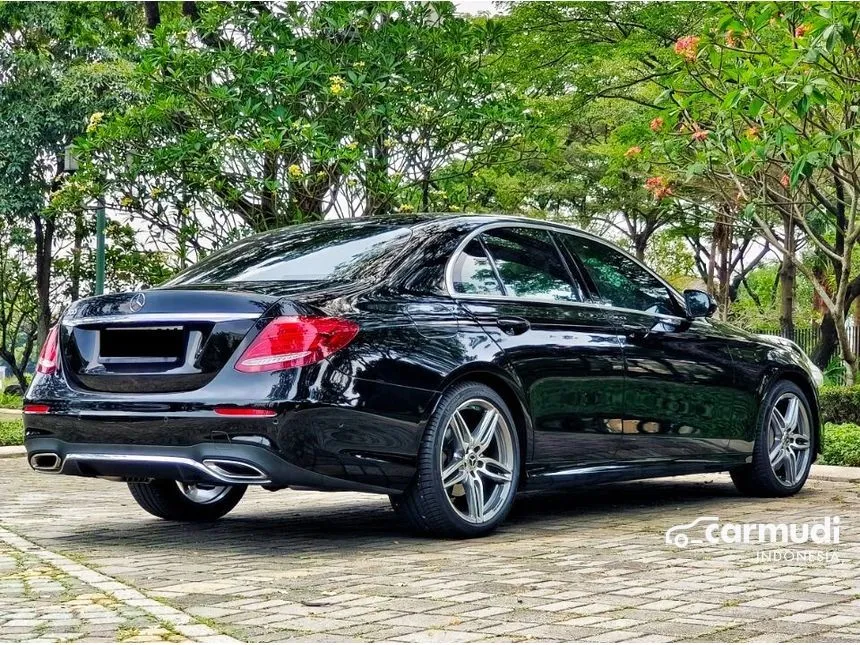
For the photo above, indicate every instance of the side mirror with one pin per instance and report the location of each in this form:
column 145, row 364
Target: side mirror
column 699, row 304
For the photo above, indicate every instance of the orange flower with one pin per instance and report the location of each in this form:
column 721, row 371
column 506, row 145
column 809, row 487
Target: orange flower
column 731, row 41
column 801, row 30
column 752, row 133
column 658, row 187
column 657, row 124
column 632, row 152
column 785, row 181
column 699, row 135
column 688, row 47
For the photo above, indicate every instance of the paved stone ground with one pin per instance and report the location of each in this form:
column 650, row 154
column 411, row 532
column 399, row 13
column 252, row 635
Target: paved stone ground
column 79, row 560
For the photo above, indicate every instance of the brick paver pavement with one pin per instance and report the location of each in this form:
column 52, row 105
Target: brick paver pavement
column 79, row 559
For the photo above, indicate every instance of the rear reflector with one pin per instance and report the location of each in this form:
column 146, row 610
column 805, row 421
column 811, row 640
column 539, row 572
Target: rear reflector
column 296, row 341
column 229, row 411
column 48, row 356
column 36, row 408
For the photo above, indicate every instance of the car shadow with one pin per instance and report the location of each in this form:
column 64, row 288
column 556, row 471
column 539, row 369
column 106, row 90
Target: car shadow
column 357, row 525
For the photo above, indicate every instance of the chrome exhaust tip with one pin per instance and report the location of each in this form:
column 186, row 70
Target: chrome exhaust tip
column 47, row 462
column 237, row 471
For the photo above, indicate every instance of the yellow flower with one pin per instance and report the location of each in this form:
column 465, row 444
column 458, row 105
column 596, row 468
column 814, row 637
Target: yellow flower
column 95, row 119
column 295, row 171
column 359, row 64
column 352, row 145
column 155, row 192
column 126, row 201
column 336, row 85
column 406, row 208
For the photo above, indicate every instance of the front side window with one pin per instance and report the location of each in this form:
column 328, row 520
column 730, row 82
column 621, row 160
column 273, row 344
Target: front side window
column 529, row 264
column 473, row 272
column 620, row 281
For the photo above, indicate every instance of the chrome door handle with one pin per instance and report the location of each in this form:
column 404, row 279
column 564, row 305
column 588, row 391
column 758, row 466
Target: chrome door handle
column 513, row 325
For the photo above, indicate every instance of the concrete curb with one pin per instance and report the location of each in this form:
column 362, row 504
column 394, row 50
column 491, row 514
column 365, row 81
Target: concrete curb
column 12, row 451
column 834, row 473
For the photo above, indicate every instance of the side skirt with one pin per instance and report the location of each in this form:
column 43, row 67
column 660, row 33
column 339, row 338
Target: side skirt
column 538, row 477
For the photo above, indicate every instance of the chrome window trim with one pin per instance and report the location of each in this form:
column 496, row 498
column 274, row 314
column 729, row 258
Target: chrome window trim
column 588, row 305
column 561, row 228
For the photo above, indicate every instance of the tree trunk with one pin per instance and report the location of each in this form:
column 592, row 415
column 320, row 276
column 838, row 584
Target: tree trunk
column 44, row 236
column 787, row 280
column 77, row 251
column 827, row 342
column 640, row 243
column 425, row 195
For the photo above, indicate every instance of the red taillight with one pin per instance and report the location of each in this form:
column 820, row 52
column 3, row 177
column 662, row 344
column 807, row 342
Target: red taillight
column 50, row 350
column 36, row 408
column 296, row 341
column 229, row 411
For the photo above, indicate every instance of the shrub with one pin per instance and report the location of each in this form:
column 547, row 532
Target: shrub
column 840, row 404
column 841, row 445
column 11, row 433
column 11, row 401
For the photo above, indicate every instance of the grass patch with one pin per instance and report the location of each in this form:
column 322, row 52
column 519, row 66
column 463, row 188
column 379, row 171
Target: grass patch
column 11, row 401
column 841, row 445
column 11, row 433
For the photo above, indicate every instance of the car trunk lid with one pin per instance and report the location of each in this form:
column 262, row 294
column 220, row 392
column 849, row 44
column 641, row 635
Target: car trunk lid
column 161, row 340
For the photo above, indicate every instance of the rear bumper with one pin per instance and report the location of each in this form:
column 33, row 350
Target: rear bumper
column 213, row 463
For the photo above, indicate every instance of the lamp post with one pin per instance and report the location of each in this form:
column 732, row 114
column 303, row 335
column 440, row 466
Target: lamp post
column 71, row 162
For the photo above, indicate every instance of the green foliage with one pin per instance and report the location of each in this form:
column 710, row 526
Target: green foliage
column 11, row 401
column 841, row 445
column 756, row 305
column 840, row 404
column 253, row 118
column 11, row 433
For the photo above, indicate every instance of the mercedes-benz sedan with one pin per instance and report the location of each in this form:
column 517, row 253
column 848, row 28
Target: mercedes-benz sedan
column 447, row 362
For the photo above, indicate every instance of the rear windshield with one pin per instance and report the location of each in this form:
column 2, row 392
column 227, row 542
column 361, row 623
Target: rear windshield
column 327, row 251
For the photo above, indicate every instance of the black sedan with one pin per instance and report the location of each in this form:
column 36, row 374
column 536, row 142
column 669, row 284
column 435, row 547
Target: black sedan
column 445, row 361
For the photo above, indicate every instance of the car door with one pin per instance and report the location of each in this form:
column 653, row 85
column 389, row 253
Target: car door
column 565, row 353
column 679, row 394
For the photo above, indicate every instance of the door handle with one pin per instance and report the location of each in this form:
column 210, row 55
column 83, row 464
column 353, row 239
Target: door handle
column 513, row 325
column 635, row 331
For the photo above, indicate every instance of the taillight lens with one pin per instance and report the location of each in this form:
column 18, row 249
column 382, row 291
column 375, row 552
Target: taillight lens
column 296, row 341
column 50, row 351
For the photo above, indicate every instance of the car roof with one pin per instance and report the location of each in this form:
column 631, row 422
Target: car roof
column 421, row 220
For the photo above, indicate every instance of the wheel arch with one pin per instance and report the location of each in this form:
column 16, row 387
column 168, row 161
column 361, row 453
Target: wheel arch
column 507, row 387
column 801, row 380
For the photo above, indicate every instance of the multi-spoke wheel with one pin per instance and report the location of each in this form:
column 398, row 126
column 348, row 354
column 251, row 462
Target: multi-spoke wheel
column 186, row 502
column 468, row 465
column 784, row 445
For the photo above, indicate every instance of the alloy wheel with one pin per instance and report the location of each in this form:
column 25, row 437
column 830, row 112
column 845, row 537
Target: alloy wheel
column 203, row 493
column 789, row 439
column 477, row 461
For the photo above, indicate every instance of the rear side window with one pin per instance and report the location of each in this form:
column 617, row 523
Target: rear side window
column 326, row 251
column 620, row 281
column 529, row 264
column 473, row 272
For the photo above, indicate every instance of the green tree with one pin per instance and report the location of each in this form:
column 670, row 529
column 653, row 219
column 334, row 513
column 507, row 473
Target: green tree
column 59, row 67
column 764, row 108
column 249, row 118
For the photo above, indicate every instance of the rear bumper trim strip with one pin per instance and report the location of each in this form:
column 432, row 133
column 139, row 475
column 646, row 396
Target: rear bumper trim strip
column 143, row 460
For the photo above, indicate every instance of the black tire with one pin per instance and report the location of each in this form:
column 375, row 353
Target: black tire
column 425, row 505
column 163, row 499
column 757, row 479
